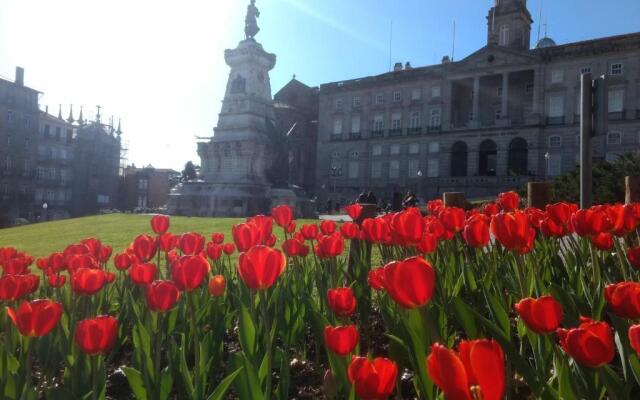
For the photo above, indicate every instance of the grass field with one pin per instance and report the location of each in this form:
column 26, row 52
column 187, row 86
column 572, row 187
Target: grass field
column 116, row 230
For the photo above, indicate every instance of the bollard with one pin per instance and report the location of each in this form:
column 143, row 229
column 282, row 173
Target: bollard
column 454, row 199
column 632, row 189
column 539, row 194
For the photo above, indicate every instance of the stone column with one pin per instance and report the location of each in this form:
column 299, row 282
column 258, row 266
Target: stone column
column 505, row 96
column 476, row 101
column 538, row 85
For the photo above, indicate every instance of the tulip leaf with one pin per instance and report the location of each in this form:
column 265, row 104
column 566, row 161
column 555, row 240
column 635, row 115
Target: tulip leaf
column 247, row 332
column 224, row 385
column 136, row 383
column 246, row 385
column 634, row 362
column 613, row 383
column 465, row 317
column 499, row 314
column 184, row 368
column 166, row 384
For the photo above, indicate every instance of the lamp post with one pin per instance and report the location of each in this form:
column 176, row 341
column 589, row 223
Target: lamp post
column 419, row 174
column 547, row 157
column 45, row 206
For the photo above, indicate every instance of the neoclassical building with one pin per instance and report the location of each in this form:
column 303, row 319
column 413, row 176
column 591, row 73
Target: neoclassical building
column 502, row 116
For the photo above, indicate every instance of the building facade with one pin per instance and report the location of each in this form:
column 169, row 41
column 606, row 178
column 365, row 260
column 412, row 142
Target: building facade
column 147, row 188
column 502, row 116
column 18, row 154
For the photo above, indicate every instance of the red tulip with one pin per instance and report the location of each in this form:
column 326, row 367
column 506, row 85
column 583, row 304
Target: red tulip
column 245, row 236
column 624, row 299
column 590, row 344
column 592, row 221
column 292, row 247
column 145, row 247
column 603, row 241
column 354, row 211
column 76, row 249
column 560, row 213
column 535, row 216
column 260, row 267
column 376, row 278
column 217, row 285
column 342, row 301
column 7, row 253
column 490, row 209
column 409, row 225
column 264, row 225
column 188, row 272
column 410, row 283
column 162, row 296
column 624, row 219
column 228, row 248
column 349, row 230
column 633, row 255
column 214, row 251
column 434, row 206
column 291, row 227
column 105, row 254
column 122, row 262
column 309, row 231
column 327, row 227
column 634, row 338
column 476, row 232
column 143, row 274
column 452, row 218
column 96, row 335
column 42, row 263
column 428, row 244
column 191, row 243
column 15, row 287
column 376, row 230
column 373, row 380
column 160, row 224
column 330, row 246
column 168, row 242
column 93, row 245
column 341, row 340
column 16, row 266
column 508, row 201
column 542, row 315
column 36, row 318
column 435, row 227
column 475, row 372
column 217, row 238
column 57, row 262
column 56, row 280
column 550, row 228
column 513, row 231
column 282, row 215
column 88, row 281
column 271, row 241
column 78, row 261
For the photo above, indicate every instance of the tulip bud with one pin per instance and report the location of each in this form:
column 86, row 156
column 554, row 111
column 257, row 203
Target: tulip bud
column 330, row 385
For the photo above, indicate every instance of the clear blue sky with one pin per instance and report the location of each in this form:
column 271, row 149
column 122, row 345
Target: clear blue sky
column 159, row 64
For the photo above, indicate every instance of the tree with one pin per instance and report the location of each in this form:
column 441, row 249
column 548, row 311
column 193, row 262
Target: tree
column 189, row 173
column 608, row 181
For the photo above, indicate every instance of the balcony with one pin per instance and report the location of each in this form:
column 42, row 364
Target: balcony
column 434, row 129
column 377, row 133
column 414, row 131
column 395, row 132
column 555, row 120
column 616, row 116
column 336, row 137
column 355, row 135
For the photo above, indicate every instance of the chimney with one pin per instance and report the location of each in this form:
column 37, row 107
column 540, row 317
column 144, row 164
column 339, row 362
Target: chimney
column 397, row 67
column 446, row 60
column 408, row 65
column 19, row 76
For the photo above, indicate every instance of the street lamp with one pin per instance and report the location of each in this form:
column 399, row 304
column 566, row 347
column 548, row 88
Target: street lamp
column 547, row 157
column 45, row 206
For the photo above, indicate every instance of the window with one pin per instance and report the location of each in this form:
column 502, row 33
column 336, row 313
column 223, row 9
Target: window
column 487, row 158
column 376, row 169
column 143, row 184
column 4, row 188
column 529, row 88
column 8, row 140
column 555, row 141
column 459, row 159
column 397, row 96
column 339, row 104
column 380, row 99
column 413, row 166
column 335, row 154
column 354, row 169
column 27, row 123
column 556, row 106
column 414, row 120
column 585, row 70
column 7, row 162
column 504, row 35
column 616, row 100
column 26, row 166
column 356, row 102
column 103, row 199
column 498, row 114
column 394, row 169
column 499, row 91
column 518, row 157
column 354, row 154
column 554, row 164
column 337, row 126
column 435, row 120
column 614, row 138
column 394, row 149
column 10, row 117
column 433, row 168
column 41, row 172
column 396, row 121
column 617, row 69
column 47, row 130
column 355, row 124
column 416, row 94
column 378, row 123
column 376, row 150
column 557, row 76
column 414, row 148
column 434, row 147
column 435, row 91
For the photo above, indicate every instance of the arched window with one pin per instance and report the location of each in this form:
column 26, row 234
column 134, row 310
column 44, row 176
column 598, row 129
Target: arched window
column 518, row 155
column 487, row 158
column 504, row 35
column 459, row 159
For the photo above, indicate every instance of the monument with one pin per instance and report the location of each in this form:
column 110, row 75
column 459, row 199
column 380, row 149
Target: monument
column 235, row 163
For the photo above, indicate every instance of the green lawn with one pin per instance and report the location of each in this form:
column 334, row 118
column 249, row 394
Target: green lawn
column 117, row 230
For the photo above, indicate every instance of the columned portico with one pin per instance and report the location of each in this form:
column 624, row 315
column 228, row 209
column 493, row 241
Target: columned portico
column 475, row 121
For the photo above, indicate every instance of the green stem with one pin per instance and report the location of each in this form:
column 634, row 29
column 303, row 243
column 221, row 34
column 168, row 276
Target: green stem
column 94, row 369
column 196, row 343
column 267, row 340
column 158, row 357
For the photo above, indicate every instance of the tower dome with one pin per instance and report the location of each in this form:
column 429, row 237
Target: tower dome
column 545, row 42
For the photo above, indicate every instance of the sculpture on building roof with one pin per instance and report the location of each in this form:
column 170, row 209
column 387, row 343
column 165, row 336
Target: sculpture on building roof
column 251, row 28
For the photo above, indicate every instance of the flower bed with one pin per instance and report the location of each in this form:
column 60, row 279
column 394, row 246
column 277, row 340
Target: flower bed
column 481, row 304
